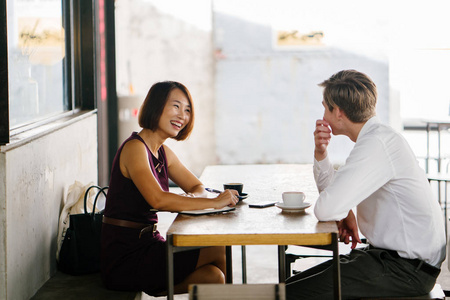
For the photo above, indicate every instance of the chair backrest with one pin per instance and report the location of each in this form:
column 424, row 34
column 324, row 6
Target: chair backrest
column 237, row 291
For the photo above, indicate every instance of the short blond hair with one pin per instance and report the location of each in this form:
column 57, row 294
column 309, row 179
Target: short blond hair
column 353, row 92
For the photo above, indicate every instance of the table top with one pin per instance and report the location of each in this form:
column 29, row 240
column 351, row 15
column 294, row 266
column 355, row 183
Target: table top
column 256, row 226
column 439, row 176
column 443, row 123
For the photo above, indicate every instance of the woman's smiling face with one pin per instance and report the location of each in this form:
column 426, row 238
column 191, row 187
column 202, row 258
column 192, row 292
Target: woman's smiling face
column 176, row 114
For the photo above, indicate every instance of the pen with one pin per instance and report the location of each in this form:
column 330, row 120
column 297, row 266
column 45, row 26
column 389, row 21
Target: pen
column 219, row 192
column 213, row 190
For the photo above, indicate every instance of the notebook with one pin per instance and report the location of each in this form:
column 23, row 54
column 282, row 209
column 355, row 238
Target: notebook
column 207, row 211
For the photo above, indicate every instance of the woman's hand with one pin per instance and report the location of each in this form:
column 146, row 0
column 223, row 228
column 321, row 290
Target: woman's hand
column 227, row 198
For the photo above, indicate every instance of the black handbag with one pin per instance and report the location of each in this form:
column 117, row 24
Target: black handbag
column 80, row 250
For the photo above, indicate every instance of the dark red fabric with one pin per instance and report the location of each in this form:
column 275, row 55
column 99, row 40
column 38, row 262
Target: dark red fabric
column 127, row 262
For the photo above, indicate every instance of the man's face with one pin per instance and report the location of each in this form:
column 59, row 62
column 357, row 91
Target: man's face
column 330, row 117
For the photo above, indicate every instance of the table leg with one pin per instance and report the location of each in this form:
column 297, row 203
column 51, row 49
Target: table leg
column 439, row 192
column 336, row 266
column 281, row 263
column 170, row 273
column 229, row 258
column 438, row 182
column 439, row 148
column 244, row 264
column 428, row 147
column 445, row 207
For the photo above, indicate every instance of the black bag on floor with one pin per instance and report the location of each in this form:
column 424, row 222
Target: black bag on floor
column 80, row 250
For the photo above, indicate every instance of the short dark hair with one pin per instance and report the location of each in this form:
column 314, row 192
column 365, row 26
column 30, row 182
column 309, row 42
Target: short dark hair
column 353, row 92
column 153, row 106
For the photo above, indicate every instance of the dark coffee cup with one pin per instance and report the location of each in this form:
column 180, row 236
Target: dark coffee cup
column 234, row 186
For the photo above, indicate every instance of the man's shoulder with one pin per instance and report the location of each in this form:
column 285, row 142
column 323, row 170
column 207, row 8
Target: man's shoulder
column 377, row 139
column 380, row 131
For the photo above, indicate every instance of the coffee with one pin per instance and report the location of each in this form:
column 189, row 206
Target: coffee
column 234, row 186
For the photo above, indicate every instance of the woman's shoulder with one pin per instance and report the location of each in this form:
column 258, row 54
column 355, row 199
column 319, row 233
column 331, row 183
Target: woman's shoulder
column 133, row 146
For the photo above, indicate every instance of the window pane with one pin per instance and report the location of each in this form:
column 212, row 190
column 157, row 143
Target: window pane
column 35, row 60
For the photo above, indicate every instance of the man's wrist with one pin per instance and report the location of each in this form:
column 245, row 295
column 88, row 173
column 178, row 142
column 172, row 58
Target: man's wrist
column 319, row 156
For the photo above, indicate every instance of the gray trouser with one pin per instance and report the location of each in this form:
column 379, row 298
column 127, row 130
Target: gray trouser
column 365, row 273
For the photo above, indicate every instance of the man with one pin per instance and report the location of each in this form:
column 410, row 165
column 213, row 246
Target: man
column 395, row 207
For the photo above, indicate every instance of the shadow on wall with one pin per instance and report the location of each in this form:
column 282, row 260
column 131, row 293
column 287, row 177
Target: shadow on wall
column 267, row 100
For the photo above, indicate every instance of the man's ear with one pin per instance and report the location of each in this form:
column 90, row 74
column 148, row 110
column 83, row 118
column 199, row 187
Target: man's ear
column 339, row 113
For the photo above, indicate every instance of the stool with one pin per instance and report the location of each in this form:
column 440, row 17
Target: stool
column 237, row 291
column 85, row 287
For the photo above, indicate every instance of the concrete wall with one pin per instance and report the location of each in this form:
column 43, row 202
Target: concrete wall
column 34, row 174
column 254, row 103
column 154, row 45
column 268, row 99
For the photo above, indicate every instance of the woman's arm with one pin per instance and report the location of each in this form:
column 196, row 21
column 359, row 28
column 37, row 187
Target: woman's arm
column 182, row 176
column 134, row 164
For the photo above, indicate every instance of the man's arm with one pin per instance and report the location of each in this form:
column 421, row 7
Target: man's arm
column 348, row 227
column 322, row 137
column 323, row 169
column 366, row 170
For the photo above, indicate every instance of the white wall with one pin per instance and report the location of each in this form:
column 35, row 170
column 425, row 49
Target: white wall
column 268, row 98
column 258, row 104
column 33, row 178
column 164, row 40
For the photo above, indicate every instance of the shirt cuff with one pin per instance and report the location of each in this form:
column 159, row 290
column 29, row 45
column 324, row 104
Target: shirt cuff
column 323, row 164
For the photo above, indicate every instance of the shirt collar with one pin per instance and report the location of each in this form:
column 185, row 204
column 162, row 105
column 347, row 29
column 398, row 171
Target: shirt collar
column 369, row 124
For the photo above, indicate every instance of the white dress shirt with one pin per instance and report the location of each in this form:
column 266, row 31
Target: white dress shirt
column 396, row 208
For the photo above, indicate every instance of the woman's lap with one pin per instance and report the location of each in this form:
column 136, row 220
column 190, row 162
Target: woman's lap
column 145, row 268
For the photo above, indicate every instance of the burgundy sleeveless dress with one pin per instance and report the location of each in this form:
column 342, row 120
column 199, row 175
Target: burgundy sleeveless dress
column 127, row 261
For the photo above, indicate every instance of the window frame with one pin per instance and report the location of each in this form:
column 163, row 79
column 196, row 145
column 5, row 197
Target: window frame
column 79, row 71
column 4, row 91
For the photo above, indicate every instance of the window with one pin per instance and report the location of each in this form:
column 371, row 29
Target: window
column 47, row 57
column 36, row 52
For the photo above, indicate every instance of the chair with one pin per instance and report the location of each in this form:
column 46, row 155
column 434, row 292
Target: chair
column 295, row 252
column 237, row 291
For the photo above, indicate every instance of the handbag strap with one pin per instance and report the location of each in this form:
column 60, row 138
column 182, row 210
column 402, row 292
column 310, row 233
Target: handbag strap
column 101, row 190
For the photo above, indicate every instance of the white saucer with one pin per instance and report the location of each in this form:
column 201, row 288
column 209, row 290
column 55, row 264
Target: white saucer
column 293, row 208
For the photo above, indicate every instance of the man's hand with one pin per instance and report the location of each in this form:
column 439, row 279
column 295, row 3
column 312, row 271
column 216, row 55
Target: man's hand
column 322, row 137
column 349, row 228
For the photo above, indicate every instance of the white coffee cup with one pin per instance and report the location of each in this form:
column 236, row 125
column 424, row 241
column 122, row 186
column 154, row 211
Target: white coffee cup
column 293, row 199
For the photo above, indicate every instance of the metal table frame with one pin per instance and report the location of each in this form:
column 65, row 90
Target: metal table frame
column 441, row 178
column 440, row 125
column 171, row 249
column 264, row 183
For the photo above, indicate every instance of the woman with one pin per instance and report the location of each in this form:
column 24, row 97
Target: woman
column 133, row 253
